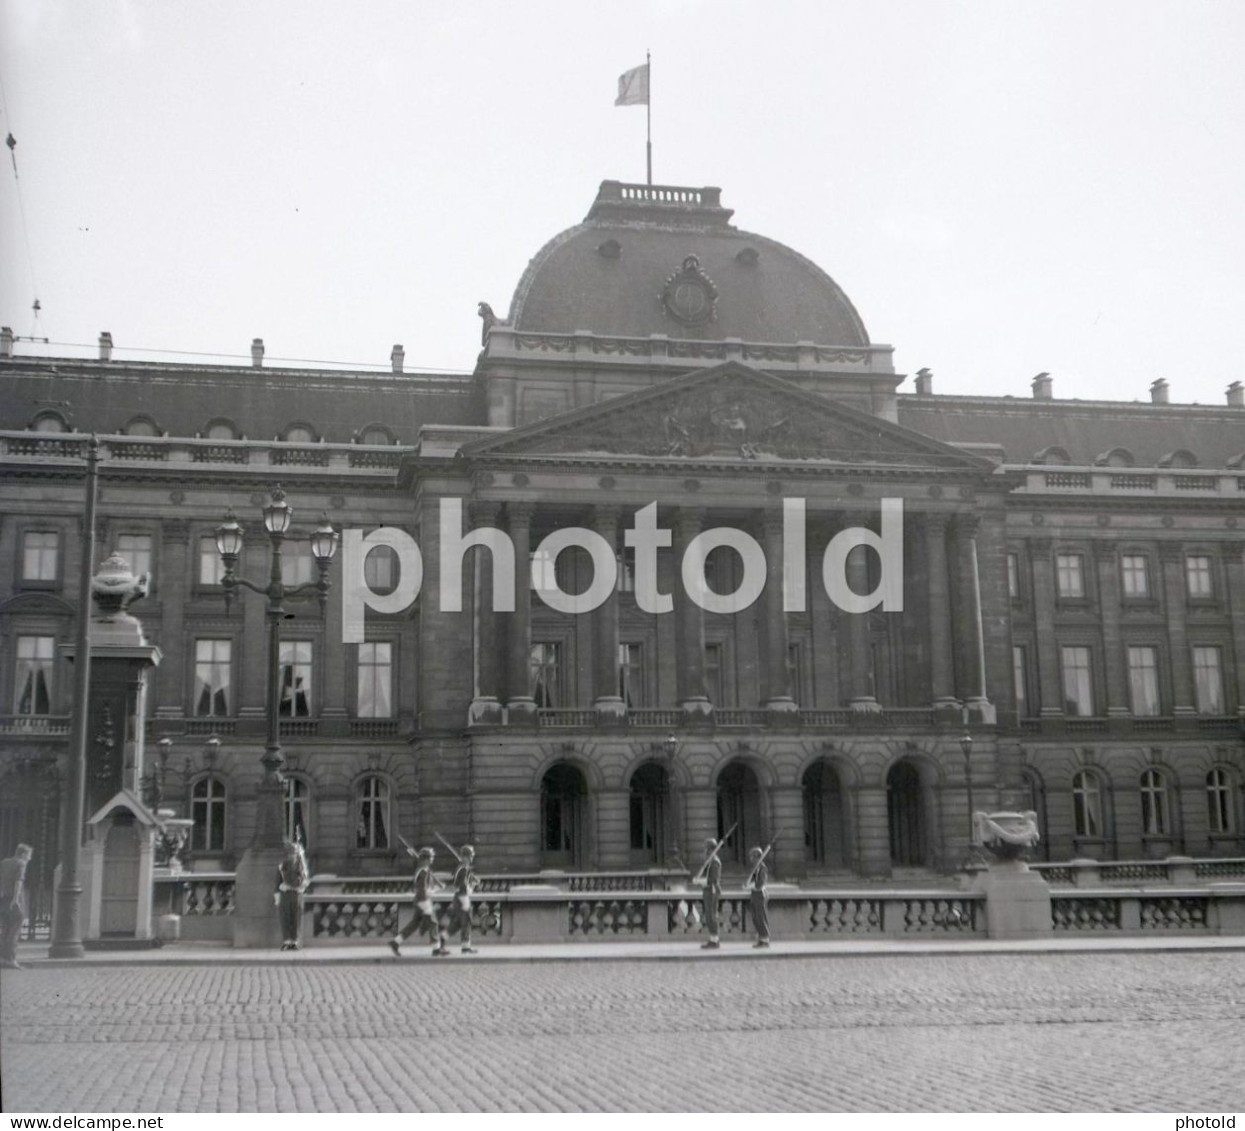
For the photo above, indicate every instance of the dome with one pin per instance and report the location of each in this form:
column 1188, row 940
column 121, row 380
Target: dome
column 661, row 260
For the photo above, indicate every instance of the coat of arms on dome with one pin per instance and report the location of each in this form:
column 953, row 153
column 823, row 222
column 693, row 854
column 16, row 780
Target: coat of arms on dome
column 689, row 295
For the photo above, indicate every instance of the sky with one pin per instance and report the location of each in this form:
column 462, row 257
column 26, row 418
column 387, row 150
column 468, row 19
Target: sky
column 1000, row 188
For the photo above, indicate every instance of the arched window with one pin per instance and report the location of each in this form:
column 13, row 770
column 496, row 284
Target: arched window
column 1086, row 804
column 739, row 807
column 1181, row 457
column 823, row 815
column 221, row 429
column 1053, row 455
column 297, row 811
column 141, row 426
column 299, row 434
column 1155, row 816
column 375, row 434
column 562, row 792
column 1220, row 811
column 207, row 810
column 1116, row 457
column 905, row 811
column 650, row 787
column 372, row 813
column 49, row 422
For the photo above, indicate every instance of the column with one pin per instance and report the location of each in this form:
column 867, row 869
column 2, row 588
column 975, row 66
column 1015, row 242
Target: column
column 776, row 676
column 1234, row 658
column 973, row 693
column 1107, row 567
column 1050, row 689
column 1174, row 590
column 172, row 591
column 250, row 667
column 519, row 701
column 690, row 624
column 860, row 650
column 485, row 702
column 941, row 656
column 335, row 712
column 608, row 703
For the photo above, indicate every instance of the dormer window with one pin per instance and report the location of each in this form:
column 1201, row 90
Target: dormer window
column 610, row 249
column 747, row 256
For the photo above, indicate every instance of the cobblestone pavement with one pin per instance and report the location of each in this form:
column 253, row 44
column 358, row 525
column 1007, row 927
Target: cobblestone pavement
column 1055, row 1032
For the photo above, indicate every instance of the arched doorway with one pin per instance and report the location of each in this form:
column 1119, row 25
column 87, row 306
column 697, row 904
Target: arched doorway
column 824, row 825
column 739, row 805
column 905, row 816
column 650, row 792
column 562, row 792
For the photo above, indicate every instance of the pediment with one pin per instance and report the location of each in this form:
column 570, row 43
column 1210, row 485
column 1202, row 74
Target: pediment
column 35, row 603
column 122, row 801
column 728, row 413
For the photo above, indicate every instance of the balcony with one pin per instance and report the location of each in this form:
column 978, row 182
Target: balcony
column 1124, row 726
column 34, row 726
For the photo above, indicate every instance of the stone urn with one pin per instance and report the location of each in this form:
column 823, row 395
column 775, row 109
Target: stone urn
column 1006, row 836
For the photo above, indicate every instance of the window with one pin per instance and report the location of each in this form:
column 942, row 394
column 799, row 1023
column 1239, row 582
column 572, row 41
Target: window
column 1154, row 814
column 626, row 571
column 1013, row 576
column 1070, row 575
column 221, row 430
column 631, row 674
column 795, row 671
column 375, row 691
column 142, row 426
column 1078, row 692
column 1086, row 804
column 719, row 571
column 380, row 570
column 546, row 673
column 715, row 675
column 299, row 434
column 49, row 422
column 375, row 434
column 207, row 810
column 544, row 571
column 1220, row 815
column 136, row 549
column 297, row 565
column 1207, row 680
column 295, row 681
column 1197, row 576
column 213, row 677
column 372, row 813
column 297, row 809
column 211, row 568
column 33, row 693
column 1020, row 676
column 40, row 551
column 1143, row 681
column 1134, row 573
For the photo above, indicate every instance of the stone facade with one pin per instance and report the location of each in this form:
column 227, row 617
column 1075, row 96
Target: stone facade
column 1073, row 579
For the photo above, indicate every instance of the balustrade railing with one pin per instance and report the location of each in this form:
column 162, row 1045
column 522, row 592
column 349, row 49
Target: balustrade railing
column 34, row 726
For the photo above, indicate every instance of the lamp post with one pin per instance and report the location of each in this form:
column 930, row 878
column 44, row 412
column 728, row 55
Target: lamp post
column 258, row 863
column 966, row 747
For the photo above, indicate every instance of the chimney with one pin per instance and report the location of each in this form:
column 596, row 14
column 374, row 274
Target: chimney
column 924, row 383
column 397, row 356
column 1043, row 387
column 1158, row 392
column 6, row 343
column 257, row 352
column 105, row 346
column 1236, row 395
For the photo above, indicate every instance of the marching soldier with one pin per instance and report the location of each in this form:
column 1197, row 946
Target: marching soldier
column 711, row 872
column 464, row 885
column 425, row 916
column 759, row 897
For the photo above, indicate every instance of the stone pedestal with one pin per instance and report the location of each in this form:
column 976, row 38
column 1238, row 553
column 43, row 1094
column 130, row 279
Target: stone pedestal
column 1017, row 901
column 537, row 913
column 255, row 921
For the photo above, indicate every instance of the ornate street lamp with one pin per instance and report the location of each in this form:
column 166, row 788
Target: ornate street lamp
column 966, row 747
column 269, row 819
column 670, row 748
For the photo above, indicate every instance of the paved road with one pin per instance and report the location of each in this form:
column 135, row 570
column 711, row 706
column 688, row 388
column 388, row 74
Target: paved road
column 1056, row 1032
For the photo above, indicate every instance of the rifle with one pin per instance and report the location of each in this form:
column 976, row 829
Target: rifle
column 757, row 866
column 703, row 870
column 406, row 844
column 449, row 846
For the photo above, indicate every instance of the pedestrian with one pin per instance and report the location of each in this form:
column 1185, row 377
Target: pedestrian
column 759, row 897
column 425, row 916
column 13, row 903
column 292, row 881
column 711, row 870
column 464, row 885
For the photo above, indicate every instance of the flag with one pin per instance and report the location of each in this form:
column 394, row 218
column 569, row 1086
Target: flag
column 633, row 87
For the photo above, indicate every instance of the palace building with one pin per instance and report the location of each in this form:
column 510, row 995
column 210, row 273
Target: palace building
column 1073, row 585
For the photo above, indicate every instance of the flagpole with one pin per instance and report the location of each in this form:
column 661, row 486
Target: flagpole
column 648, row 116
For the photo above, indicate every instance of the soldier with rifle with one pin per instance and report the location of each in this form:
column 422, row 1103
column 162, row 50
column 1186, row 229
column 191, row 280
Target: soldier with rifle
column 758, row 895
column 465, row 883
column 425, row 916
column 710, row 876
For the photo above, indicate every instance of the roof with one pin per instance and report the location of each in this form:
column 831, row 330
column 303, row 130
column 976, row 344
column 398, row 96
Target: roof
column 1086, row 430
column 612, row 274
